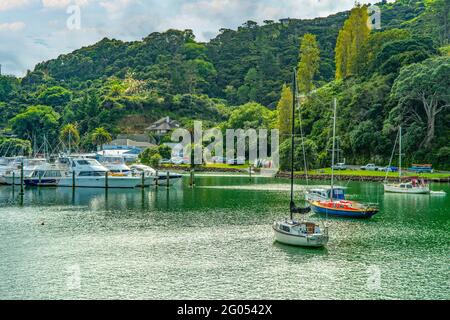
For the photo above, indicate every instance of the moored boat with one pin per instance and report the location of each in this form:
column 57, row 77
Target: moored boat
column 289, row 231
column 415, row 186
column 152, row 176
column 89, row 173
column 13, row 175
column 304, row 234
column 335, row 204
column 344, row 208
column 411, row 187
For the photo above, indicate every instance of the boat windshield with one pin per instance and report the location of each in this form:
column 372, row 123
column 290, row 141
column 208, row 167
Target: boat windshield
column 91, row 174
column 87, row 162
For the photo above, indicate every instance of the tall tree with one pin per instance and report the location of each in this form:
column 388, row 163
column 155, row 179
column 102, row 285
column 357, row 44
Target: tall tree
column 350, row 42
column 284, row 108
column 423, row 92
column 309, row 63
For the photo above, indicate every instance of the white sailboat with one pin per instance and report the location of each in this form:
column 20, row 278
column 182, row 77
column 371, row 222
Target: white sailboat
column 414, row 186
column 288, row 230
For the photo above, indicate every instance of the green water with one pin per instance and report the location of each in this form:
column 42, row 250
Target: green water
column 216, row 242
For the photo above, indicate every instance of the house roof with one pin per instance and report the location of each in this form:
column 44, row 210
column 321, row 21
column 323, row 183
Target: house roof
column 164, row 124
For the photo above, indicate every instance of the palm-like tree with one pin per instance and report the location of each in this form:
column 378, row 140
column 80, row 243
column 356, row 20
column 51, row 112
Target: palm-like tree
column 100, row 136
column 69, row 135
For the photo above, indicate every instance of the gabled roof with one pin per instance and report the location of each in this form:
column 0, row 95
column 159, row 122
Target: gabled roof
column 164, row 124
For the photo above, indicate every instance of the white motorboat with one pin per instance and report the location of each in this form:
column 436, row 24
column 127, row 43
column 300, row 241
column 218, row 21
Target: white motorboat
column 89, row 173
column 13, row 175
column 116, row 165
column 151, row 175
column 7, row 165
column 46, row 175
column 415, row 186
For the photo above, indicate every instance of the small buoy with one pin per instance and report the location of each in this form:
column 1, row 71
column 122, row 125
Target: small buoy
column 42, row 223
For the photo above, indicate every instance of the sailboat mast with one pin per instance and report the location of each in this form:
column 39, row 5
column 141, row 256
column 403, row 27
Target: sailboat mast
column 334, row 146
column 400, row 155
column 294, row 95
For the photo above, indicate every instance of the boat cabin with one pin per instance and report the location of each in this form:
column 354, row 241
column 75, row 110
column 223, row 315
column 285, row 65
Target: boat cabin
column 325, row 193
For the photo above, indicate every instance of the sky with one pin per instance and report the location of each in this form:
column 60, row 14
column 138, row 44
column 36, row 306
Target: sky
column 32, row 31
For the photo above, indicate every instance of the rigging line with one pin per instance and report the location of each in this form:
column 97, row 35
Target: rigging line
column 392, row 156
column 302, row 136
column 294, row 96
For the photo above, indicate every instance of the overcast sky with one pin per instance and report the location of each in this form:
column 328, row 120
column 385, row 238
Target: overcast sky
column 32, row 31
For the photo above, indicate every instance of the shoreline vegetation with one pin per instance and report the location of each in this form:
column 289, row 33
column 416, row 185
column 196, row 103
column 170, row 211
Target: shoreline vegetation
column 318, row 174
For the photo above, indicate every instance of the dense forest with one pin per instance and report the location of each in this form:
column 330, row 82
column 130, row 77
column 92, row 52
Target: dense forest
column 382, row 78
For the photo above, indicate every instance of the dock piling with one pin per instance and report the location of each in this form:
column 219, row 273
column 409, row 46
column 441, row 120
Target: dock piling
column 192, row 178
column 168, row 179
column 21, row 180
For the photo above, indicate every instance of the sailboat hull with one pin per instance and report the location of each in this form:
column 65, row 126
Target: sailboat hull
column 359, row 214
column 313, row 240
column 414, row 190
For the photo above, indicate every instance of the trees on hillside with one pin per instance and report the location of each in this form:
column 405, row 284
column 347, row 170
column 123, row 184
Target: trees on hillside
column 12, row 147
column 440, row 10
column 251, row 115
column 35, row 123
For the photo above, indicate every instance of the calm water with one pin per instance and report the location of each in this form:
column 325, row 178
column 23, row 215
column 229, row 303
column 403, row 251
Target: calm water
column 215, row 241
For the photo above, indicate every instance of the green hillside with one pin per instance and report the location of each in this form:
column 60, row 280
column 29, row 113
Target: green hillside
column 237, row 76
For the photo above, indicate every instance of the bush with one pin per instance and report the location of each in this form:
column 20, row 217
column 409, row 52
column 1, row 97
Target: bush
column 147, row 154
column 155, row 160
column 165, row 151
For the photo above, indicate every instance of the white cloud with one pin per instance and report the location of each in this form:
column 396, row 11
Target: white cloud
column 59, row 4
column 12, row 4
column 115, row 6
column 46, row 36
column 13, row 26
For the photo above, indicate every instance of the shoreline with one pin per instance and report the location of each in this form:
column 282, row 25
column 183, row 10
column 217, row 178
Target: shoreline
column 284, row 174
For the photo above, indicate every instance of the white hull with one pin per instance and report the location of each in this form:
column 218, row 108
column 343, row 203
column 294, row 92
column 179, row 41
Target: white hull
column 313, row 240
column 99, row 182
column 414, row 190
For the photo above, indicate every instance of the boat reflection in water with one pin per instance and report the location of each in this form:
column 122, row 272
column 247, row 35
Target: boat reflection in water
column 414, row 202
column 95, row 198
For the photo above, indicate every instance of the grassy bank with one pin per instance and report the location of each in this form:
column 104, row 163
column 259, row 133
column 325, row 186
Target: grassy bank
column 319, row 174
column 365, row 173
